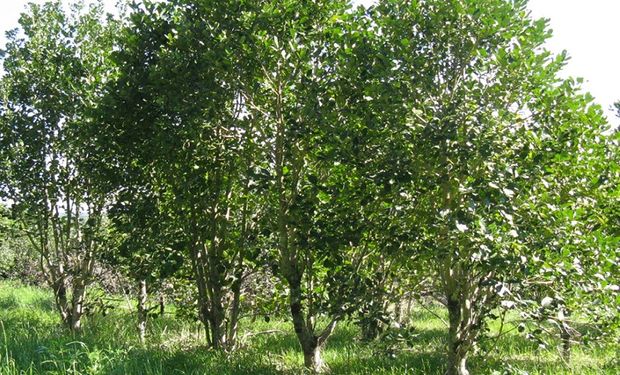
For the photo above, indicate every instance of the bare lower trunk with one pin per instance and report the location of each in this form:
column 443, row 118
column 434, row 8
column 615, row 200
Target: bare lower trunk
column 457, row 364
column 457, row 343
column 217, row 314
column 218, row 325
column 60, row 298
column 566, row 337
column 311, row 343
column 162, row 305
column 71, row 310
column 201, row 283
column 77, row 304
column 313, row 359
column 233, row 327
column 142, row 311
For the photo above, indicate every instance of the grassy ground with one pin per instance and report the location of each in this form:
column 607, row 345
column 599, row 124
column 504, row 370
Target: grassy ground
column 32, row 342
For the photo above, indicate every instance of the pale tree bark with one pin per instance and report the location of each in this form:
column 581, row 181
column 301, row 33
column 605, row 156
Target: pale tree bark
column 66, row 244
column 142, row 310
column 77, row 302
column 467, row 293
column 458, row 347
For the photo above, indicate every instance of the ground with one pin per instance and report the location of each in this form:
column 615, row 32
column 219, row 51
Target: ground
column 32, row 342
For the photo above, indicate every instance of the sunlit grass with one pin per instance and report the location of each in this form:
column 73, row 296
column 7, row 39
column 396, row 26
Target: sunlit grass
column 33, row 342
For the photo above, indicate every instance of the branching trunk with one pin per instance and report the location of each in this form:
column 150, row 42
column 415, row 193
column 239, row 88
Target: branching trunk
column 311, row 343
column 458, row 346
column 71, row 310
column 201, row 284
column 292, row 267
column 220, row 322
column 77, row 303
column 467, row 296
column 67, row 255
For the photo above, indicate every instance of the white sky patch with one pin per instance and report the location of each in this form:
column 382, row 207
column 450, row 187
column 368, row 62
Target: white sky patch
column 11, row 9
column 588, row 30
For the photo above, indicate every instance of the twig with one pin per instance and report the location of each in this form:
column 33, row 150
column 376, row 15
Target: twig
column 435, row 315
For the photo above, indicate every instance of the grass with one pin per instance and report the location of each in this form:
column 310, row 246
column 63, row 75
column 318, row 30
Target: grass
column 33, row 342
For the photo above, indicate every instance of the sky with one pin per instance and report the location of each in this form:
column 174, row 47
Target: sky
column 588, row 29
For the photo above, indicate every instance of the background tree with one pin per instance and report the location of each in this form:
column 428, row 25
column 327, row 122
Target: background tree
column 574, row 273
column 146, row 250
column 18, row 259
column 54, row 75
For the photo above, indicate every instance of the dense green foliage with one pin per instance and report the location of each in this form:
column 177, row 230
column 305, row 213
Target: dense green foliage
column 312, row 162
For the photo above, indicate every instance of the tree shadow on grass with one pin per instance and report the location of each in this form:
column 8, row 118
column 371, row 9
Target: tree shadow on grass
column 9, row 302
column 195, row 361
column 532, row 364
column 406, row 362
column 346, row 354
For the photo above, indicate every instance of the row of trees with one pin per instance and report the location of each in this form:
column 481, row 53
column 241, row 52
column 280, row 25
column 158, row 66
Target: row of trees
column 354, row 154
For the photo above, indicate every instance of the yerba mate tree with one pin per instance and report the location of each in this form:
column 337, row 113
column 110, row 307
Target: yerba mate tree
column 55, row 66
column 317, row 228
column 485, row 98
column 174, row 114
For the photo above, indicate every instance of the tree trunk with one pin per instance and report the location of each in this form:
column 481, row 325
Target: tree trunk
column 457, row 345
column 217, row 324
column 457, row 363
column 142, row 310
column 201, row 284
column 235, row 311
column 60, row 297
column 313, row 359
column 216, row 296
column 77, row 304
column 566, row 337
column 311, row 344
column 162, row 305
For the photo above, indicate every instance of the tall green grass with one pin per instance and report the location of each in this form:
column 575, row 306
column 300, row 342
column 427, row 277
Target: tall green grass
column 33, row 342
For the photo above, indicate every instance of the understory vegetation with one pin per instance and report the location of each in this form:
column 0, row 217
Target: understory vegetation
column 33, row 342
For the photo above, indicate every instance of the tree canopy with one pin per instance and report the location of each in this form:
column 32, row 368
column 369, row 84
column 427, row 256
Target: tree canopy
column 339, row 158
